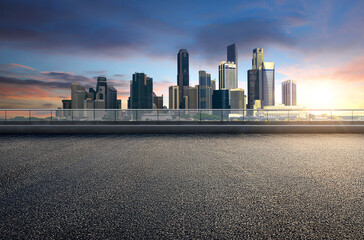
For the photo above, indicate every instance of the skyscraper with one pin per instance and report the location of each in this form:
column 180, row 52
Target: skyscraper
column 192, row 97
column 157, row 101
column 174, row 97
column 213, row 84
column 261, row 81
column 258, row 58
column 80, row 98
column 74, row 100
column 183, row 77
column 266, row 84
column 141, row 92
column 289, row 96
column 101, row 93
column 220, row 99
column 253, row 87
column 227, row 76
column 237, row 98
column 205, row 92
column 232, row 56
column 111, row 100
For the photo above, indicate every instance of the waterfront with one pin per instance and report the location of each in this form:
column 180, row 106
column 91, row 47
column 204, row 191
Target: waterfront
column 182, row 186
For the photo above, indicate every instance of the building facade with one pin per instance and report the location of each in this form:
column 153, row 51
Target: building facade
column 258, row 58
column 267, row 84
column 253, row 87
column 289, row 94
column 174, row 97
column 220, row 99
column 232, row 56
column 237, row 99
column 227, row 76
column 183, row 76
column 157, row 101
column 205, row 92
column 141, row 92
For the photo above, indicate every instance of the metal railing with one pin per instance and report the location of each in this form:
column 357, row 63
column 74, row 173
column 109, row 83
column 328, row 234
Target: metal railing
column 161, row 115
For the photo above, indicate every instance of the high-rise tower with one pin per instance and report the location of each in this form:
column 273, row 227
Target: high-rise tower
column 232, row 56
column 183, row 77
column 141, row 92
column 205, row 93
column 258, row 58
column 289, row 96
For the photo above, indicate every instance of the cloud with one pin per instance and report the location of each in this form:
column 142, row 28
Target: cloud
column 19, row 88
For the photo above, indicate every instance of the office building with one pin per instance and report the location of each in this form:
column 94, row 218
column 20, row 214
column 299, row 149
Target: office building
column 74, row 101
column 289, row 96
column 80, row 98
column 141, row 92
column 66, row 104
column 89, row 103
column 232, row 56
column 261, row 81
column 174, row 97
column 205, row 92
column 111, row 101
column 267, row 84
column 91, row 94
column 157, row 101
column 183, row 78
column 227, row 76
column 213, row 85
column 253, row 87
column 192, row 97
column 237, row 99
column 119, row 104
column 258, row 58
column 220, row 99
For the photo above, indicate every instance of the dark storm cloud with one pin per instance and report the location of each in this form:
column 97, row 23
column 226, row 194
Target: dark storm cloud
column 212, row 39
column 81, row 26
column 32, row 82
column 66, row 77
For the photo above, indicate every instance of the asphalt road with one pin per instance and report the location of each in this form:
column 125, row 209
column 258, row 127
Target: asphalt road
column 308, row 186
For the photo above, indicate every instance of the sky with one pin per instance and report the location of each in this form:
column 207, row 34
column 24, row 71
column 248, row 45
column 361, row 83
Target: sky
column 47, row 45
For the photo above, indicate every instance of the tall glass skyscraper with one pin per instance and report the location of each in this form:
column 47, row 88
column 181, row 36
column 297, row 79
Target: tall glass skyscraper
column 183, row 77
column 253, row 87
column 258, row 58
column 205, row 92
column 232, row 56
column 227, row 76
column 266, row 84
column 289, row 96
column 141, row 92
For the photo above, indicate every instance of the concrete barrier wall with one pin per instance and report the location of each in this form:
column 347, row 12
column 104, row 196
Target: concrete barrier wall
column 180, row 129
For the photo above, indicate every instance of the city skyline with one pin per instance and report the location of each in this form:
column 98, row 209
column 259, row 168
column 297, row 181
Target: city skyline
column 307, row 45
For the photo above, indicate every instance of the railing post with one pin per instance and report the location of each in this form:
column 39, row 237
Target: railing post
column 157, row 116
column 51, row 115
column 243, row 115
column 29, row 115
column 94, row 115
column 136, row 114
column 288, row 115
column 5, row 115
column 199, row 111
column 267, row 116
column 115, row 115
column 352, row 115
column 72, row 115
column 331, row 114
column 221, row 115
